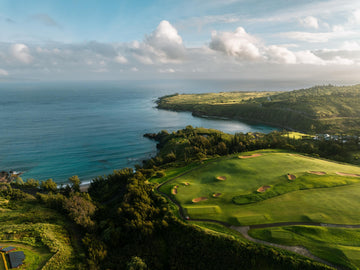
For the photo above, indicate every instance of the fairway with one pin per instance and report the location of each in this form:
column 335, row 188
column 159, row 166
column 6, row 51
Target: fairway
column 311, row 197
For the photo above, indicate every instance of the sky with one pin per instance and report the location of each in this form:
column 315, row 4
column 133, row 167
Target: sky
column 44, row 40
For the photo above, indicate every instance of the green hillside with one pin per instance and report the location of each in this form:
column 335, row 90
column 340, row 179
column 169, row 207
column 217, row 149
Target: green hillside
column 44, row 235
column 320, row 109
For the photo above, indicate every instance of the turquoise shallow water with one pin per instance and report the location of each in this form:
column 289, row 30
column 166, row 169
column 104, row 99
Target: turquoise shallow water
column 90, row 129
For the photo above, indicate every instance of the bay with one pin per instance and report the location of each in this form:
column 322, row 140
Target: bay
column 56, row 130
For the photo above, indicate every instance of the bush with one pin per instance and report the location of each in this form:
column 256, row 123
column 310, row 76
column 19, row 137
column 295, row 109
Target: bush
column 48, row 185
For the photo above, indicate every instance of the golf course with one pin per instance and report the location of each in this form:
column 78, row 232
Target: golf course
column 267, row 187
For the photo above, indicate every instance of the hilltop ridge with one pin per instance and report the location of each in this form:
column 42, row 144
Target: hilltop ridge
column 319, row 109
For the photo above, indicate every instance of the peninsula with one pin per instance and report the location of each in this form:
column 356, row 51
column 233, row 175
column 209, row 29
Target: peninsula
column 319, row 109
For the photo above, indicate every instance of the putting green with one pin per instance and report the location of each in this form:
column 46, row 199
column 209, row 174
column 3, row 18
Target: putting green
column 329, row 198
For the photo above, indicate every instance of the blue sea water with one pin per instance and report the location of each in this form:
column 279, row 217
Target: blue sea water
column 56, row 130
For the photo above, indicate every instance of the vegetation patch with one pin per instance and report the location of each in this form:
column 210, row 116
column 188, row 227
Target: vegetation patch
column 203, row 209
column 319, row 109
column 39, row 232
column 339, row 246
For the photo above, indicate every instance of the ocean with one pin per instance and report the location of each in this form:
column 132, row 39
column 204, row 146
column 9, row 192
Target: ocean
column 56, row 130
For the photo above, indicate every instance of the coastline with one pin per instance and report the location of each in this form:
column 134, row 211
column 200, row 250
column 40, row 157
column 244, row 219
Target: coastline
column 240, row 119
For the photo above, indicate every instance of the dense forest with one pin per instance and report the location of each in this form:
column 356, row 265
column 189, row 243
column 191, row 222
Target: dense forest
column 320, row 109
column 123, row 223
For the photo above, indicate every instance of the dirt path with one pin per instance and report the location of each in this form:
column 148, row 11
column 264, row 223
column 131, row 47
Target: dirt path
column 297, row 249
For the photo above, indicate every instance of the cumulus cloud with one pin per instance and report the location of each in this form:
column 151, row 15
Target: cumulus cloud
column 163, row 45
column 21, row 53
column 162, row 53
column 310, row 22
column 165, row 42
column 307, row 57
column 237, row 43
column 280, row 54
column 121, row 59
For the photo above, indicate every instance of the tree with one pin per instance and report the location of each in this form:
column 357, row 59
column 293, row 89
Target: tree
column 18, row 181
column 48, row 185
column 75, row 183
column 80, row 210
column 136, row 263
column 32, row 183
column 96, row 250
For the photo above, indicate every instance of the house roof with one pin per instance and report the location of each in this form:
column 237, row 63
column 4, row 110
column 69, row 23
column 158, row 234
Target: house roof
column 16, row 258
column 7, row 249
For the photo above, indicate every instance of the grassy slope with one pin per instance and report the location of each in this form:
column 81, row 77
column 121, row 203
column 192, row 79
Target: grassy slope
column 39, row 232
column 336, row 245
column 318, row 109
column 332, row 205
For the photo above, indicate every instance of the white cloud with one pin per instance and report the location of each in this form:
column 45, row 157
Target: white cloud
column 163, row 51
column 310, row 22
column 167, row 70
column 350, row 46
column 121, row 59
column 21, row 53
column 238, row 43
column 338, row 60
column 165, row 43
column 3, row 72
column 307, row 57
column 318, row 37
column 280, row 54
column 355, row 17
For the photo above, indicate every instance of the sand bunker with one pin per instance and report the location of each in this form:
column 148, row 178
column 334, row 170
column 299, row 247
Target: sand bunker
column 348, row 174
column 252, row 156
column 291, row 176
column 187, row 184
column 174, row 190
column 318, row 173
column 216, row 195
column 221, row 178
column 199, row 199
column 263, row 188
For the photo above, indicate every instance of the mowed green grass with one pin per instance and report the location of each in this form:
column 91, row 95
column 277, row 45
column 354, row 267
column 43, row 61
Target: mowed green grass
column 244, row 176
column 336, row 245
